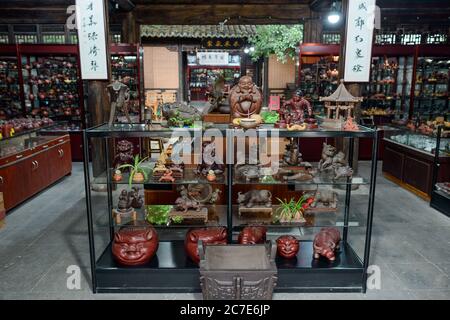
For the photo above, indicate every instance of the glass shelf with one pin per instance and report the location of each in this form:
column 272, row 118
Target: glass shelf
column 189, row 177
column 318, row 179
column 160, row 130
column 217, row 216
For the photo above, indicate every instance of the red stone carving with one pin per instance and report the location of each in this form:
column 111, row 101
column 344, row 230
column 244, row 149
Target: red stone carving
column 287, row 246
column 326, row 242
column 217, row 235
column 252, row 235
column 135, row 245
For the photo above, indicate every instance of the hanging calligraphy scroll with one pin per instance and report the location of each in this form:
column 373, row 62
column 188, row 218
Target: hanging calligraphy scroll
column 92, row 39
column 358, row 50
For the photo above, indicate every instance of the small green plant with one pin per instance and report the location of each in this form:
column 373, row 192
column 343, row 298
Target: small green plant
column 291, row 210
column 270, row 116
column 177, row 219
column 158, row 214
column 135, row 168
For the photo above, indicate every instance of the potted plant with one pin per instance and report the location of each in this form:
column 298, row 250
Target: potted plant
column 292, row 211
column 137, row 172
column 158, row 214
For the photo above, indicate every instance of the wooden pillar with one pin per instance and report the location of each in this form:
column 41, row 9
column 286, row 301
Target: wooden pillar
column 181, row 74
column 130, row 32
column 313, row 28
column 266, row 81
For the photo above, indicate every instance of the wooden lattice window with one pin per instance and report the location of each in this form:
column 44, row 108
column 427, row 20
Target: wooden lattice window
column 331, row 38
column 411, row 38
column 25, row 33
column 73, row 38
column 53, row 38
column 4, row 38
column 436, row 38
column 385, row 38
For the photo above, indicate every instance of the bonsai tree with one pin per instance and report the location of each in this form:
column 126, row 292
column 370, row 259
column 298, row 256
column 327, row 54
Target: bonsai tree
column 137, row 172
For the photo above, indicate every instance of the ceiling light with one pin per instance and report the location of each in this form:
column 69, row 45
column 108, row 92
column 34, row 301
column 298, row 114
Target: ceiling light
column 252, row 49
column 334, row 16
column 246, row 50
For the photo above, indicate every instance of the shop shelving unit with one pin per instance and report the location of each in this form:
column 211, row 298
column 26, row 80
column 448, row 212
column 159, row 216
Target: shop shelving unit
column 10, row 80
column 318, row 70
column 171, row 271
column 432, row 82
column 388, row 93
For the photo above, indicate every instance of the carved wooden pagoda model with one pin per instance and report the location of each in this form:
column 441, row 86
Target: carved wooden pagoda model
column 339, row 107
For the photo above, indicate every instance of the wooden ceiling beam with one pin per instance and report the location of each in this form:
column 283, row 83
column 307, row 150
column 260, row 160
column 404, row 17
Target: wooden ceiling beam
column 213, row 14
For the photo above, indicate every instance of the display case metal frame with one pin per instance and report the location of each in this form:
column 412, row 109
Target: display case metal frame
column 172, row 271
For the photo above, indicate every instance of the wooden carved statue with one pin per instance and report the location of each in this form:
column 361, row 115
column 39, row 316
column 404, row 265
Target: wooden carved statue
column 119, row 97
column 245, row 98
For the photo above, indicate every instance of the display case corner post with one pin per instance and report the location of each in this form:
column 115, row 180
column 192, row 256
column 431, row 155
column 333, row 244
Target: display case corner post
column 89, row 209
column 373, row 176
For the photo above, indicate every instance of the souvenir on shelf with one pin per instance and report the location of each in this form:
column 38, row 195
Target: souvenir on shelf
column 124, row 153
column 166, row 169
column 135, row 245
column 14, row 126
column 252, row 235
column 291, row 211
column 245, row 99
column 334, row 161
column 189, row 209
column 119, row 98
column 51, row 87
column 255, row 202
column 287, row 246
column 180, row 114
column 10, row 104
column 338, row 107
column 323, row 200
column 138, row 174
column 128, row 202
column 124, row 68
column 215, row 235
column 326, row 242
column 297, row 113
column 209, row 162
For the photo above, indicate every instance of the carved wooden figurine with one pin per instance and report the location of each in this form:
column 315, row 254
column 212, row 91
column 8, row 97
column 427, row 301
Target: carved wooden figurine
column 245, row 98
column 119, row 96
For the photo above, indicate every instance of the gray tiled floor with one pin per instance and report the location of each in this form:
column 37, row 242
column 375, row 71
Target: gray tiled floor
column 44, row 236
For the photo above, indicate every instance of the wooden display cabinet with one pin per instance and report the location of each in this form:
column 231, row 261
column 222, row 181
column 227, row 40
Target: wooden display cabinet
column 38, row 162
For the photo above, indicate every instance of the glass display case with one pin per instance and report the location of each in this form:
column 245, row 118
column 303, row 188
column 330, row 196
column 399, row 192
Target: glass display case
column 431, row 98
column 188, row 197
column 10, row 101
column 126, row 67
column 440, row 196
column 419, row 141
column 409, row 158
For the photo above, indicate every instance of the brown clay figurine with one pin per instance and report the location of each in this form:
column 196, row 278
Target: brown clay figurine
column 287, row 246
column 245, row 98
column 252, row 235
column 326, row 242
column 167, row 176
column 124, row 153
column 217, row 235
column 135, row 245
column 255, row 197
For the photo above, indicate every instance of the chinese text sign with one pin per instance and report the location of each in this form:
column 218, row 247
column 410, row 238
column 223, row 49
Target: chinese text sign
column 358, row 50
column 212, row 58
column 91, row 39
